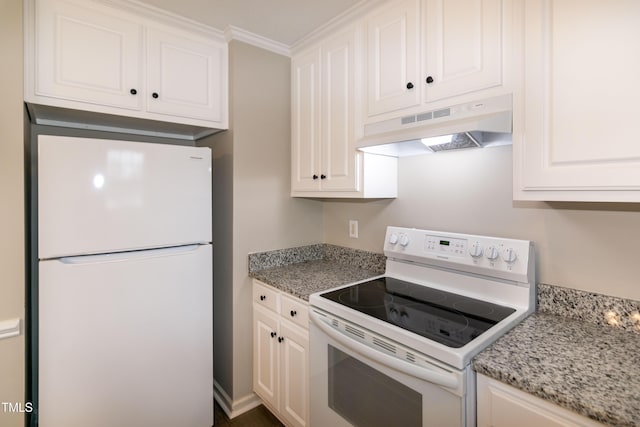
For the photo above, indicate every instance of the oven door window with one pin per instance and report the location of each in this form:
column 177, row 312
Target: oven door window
column 385, row 402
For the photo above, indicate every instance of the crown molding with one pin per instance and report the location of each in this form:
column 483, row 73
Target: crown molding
column 235, row 33
column 351, row 15
column 148, row 11
column 354, row 13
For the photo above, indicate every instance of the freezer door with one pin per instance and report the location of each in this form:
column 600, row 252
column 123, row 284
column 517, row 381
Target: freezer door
column 127, row 341
column 98, row 196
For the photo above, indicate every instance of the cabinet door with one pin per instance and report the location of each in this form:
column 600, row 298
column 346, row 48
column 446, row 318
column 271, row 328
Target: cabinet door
column 185, row 76
column 294, row 373
column 574, row 137
column 87, row 53
column 392, row 36
column 500, row 405
column 338, row 163
column 305, row 121
column 462, row 47
column 265, row 355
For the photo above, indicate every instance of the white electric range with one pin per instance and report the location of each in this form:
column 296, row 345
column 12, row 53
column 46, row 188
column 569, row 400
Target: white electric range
column 396, row 349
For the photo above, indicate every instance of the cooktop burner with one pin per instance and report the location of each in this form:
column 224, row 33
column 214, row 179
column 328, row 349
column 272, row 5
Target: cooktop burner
column 448, row 318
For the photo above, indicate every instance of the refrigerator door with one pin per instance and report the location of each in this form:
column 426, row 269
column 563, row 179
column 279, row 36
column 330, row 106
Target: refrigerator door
column 99, row 196
column 127, row 340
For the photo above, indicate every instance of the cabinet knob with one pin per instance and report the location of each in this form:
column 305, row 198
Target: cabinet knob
column 273, row 334
column 429, row 79
column 323, row 176
column 155, row 95
column 263, row 297
column 409, row 85
column 280, row 339
column 315, row 176
column 133, row 92
column 293, row 313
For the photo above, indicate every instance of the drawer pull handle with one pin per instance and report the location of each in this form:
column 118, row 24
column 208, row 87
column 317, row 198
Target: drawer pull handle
column 280, row 339
column 273, row 334
column 293, row 313
column 263, row 297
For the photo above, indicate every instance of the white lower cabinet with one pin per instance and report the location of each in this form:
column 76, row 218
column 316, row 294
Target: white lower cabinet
column 500, row 405
column 281, row 354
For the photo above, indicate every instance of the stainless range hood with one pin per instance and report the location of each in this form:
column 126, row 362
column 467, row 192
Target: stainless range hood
column 475, row 124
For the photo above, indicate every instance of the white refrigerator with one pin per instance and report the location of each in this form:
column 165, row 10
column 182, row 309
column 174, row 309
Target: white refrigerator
column 124, row 318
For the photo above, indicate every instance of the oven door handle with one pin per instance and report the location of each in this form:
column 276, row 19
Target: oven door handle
column 446, row 380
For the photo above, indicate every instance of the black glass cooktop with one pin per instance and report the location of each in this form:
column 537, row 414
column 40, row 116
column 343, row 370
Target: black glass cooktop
column 448, row 318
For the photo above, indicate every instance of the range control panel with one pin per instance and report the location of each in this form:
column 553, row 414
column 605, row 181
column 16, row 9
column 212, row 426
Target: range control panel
column 445, row 245
column 483, row 254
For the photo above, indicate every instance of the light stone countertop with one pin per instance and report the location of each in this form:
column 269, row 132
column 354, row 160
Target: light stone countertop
column 591, row 369
column 305, row 278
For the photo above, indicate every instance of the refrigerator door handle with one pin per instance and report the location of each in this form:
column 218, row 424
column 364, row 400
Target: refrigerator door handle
column 129, row 255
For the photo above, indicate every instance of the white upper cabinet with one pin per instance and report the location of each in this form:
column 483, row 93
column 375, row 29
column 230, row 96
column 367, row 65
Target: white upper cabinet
column 88, row 55
column 324, row 111
column 305, row 121
column 186, row 74
column 338, row 113
column 393, row 57
column 462, row 49
column 85, row 55
column 574, row 110
column 455, row 49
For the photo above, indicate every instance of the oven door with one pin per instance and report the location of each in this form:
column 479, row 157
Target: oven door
column 362, row 379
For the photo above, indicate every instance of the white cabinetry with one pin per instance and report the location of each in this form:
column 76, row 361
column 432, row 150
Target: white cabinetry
column 455, row 49
column 306, row 147
column 574, row 137
column 325, row 162
column 187, row 75
column 89, row 56
column 500, row 405
column 86, row 53
column 393, row 57
column 281, row 354
column 462, row 47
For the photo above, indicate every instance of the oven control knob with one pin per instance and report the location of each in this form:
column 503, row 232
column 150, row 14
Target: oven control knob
column 476, row 250
column 404, row 317
column 509, row 255
column 404, row 240
column 393, row 238
column 492, row 253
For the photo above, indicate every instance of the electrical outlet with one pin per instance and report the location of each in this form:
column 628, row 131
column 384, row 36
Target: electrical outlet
column 353, row 228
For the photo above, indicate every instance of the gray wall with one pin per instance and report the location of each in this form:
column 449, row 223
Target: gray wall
column 588, row 246
column 252, row 208
column 11, row 206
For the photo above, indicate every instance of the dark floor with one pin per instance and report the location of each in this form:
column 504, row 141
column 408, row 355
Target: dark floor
column 257, row 417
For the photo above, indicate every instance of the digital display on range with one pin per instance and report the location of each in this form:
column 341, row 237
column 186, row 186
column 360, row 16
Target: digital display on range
column 442, row 245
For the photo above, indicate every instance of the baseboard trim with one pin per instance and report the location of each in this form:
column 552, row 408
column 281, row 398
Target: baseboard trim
column 234, row 408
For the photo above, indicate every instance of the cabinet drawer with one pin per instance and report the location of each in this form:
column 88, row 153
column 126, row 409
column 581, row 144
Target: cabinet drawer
column 266, row 296
column 295, row 310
